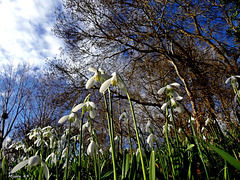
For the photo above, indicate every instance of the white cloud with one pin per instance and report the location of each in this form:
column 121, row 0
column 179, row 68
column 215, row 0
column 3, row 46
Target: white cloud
column 25, row 33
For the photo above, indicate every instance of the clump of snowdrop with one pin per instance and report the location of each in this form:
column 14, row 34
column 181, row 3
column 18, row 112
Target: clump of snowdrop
column 169, row 88
column 89, row 106
column 98, row 75
column 169, row 127
column 173, row 102
column 32, row 161
column 233, row 80
column 174, row 98
column 115, row 80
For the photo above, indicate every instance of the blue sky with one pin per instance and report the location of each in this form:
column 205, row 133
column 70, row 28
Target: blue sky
column 25, row 32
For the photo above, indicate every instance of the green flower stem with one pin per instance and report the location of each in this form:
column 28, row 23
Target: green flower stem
column 111, row 138
column 68, row 147
column 138, row 139
column 199, row 149
column 129, row 136
column 168, row 144
column 80, row 146
column 111, row 113
column 175, row 129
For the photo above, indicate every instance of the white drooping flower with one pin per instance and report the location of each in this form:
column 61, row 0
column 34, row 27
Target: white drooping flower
column 101, row 151
column 203, row 129
column 115, row 80
column 116, row 138
column 93, row 80
column 92, row 148
column 233, row 80
column 150, row 140
column 90, row 107
column 32, row 161
column 173, row 102
column 168, row 87
column 124, row 117
column 53, row 158
column 149, row 127
column 207, row 121
column 100, row 73
column 137, row 151
column 71, row 117
column 168, row 128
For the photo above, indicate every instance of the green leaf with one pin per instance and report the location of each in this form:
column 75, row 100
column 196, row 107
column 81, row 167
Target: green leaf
column 152, row 170
column 230, row 159
column 125, row 165
column 190, row 147
column 107, row 175
column 3, row 164
column 133, row 169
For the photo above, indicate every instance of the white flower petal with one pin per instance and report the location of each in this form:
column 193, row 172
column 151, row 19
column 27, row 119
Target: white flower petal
column 105, row 85
column 92, row 104
column 175, row 84
column 63, row 119
column 92, row 114
column 179, row 108
column 19, row 166
column 92, row 148
column 91, row 82
column 164, row 106
column 34, row 160
column 179, row 98
column 45, row 170
column 227, row 81
column 79, row 106
column 92, row 69
column 150, row 140
column 160, row 91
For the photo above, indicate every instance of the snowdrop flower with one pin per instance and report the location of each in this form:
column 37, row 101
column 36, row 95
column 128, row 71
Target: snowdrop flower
column 32, row 161
column 93, row 80
column 207, row 121
column 90, row 107
column 100, row 73
column 168, row 128
column 168, row 87
column 137, row 151
column 124, row 117
column 101, row 151
column 53, row 158
column 92, row 148
column 179, row 130
column 116, row 138
column 203, row 129
column 71, row 117
column 149, row 127
column 233, row 80
column 115, row 80
column 86, row 125
column 192, row 119
column 174, row 103
column 150, row 140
